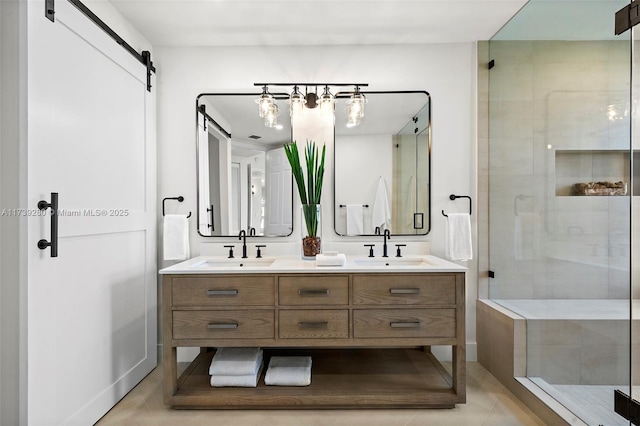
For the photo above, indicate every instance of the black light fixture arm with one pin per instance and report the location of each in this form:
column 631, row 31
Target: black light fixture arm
column 312, row 84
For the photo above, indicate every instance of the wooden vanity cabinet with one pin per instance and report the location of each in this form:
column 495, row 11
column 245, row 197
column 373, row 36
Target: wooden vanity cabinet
column 369, row 336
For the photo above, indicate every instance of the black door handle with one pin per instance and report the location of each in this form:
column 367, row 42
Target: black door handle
column 43, row 205
column 212, row 226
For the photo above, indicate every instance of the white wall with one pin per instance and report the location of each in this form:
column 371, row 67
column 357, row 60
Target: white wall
column 446, row 71
column 13, row 107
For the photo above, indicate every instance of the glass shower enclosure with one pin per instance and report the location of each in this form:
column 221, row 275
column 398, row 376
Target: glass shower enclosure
column 562, row 93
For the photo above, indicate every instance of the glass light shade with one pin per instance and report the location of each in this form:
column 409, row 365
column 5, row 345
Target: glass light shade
column 265, row 101
column 271, row 116
column 356, row 105
column 327, row 101
column 296, row 102
column 353, row 121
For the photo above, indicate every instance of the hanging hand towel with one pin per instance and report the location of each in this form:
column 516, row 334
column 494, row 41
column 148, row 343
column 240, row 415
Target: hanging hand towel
column 381, row 213
column 354, row 219
column 458, row 237
column 176, row 237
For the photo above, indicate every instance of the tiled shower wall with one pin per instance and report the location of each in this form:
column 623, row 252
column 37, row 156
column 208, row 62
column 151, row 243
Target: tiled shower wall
column 558, row 113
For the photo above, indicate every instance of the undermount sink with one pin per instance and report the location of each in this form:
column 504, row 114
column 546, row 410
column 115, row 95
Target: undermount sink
column 391, row 262
column 235, row 263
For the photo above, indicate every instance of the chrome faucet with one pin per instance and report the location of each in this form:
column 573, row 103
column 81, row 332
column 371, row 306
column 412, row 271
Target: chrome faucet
column 386, row 234
column 243, row 236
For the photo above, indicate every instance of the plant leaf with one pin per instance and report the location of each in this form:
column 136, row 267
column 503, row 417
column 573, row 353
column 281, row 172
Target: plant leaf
column 310, row 191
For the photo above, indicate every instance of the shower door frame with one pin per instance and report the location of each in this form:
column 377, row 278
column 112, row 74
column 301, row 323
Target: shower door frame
column 627, row 405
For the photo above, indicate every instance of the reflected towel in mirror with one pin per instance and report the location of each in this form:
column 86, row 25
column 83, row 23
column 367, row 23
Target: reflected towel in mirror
column 381, row 213
column 354, row 219
column 524, row 225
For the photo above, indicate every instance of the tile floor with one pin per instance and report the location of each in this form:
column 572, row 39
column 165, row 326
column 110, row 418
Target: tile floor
column 488, row 403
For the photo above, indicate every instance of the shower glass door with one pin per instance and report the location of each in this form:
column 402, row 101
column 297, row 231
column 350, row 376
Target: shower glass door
column 635, row 221
column 560, row 198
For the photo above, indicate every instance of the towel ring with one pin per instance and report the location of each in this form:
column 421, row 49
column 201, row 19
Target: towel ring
column 179, row 199
column 453, row 197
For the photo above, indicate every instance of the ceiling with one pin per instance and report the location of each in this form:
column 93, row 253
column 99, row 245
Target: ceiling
column 315, row 22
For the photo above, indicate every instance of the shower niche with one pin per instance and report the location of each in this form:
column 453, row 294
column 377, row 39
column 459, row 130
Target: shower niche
column 592, row 172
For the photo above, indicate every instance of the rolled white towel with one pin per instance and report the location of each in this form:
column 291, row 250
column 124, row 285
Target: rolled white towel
column 326, row 259
column 235, row 361
column 289, row 371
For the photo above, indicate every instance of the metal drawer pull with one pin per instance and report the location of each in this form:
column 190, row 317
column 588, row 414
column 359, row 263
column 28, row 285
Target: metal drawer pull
column 314, row 292
column 404, row 290
column 407, row 324
column 320, row 325
column 222, row 325
column 232, row 292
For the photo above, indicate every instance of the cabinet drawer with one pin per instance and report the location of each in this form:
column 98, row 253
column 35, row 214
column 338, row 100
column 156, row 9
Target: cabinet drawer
column 404, row 323
column 314, row 323
column 255, row 324
column 392, row 289
column 223, row 291
column 316, row 290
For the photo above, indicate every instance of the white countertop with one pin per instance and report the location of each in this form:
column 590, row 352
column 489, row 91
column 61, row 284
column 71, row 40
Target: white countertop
column 294, row 264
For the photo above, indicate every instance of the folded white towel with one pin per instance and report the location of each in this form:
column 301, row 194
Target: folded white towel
column 176, row 237
column 354, row 219
column 458, row 237
column 235, row 361
column 381, row 213
column 289, row 371
column 331, row 260
column 246, row 381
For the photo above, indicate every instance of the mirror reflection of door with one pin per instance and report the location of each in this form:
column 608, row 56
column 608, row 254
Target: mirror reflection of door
column 215, row 176
column 411, row 176
column 278, row 213
column 212, row 153
column 235, row 177
column 236, row 208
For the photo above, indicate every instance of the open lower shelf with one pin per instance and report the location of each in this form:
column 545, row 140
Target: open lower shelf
column 340, row 378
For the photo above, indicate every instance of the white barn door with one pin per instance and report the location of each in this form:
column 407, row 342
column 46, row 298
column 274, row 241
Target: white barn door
column 92, row 309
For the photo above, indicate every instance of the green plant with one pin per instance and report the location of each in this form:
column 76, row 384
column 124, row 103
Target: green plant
column 311, row 190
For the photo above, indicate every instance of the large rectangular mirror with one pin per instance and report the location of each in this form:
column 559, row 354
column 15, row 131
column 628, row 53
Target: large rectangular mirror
column 382, row 165
column 244, row 178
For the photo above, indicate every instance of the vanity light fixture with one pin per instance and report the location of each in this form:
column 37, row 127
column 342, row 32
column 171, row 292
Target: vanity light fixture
column 311, row 99
column 355, row 108
column 297, row 101
column 327, row 101
column 265, row 102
